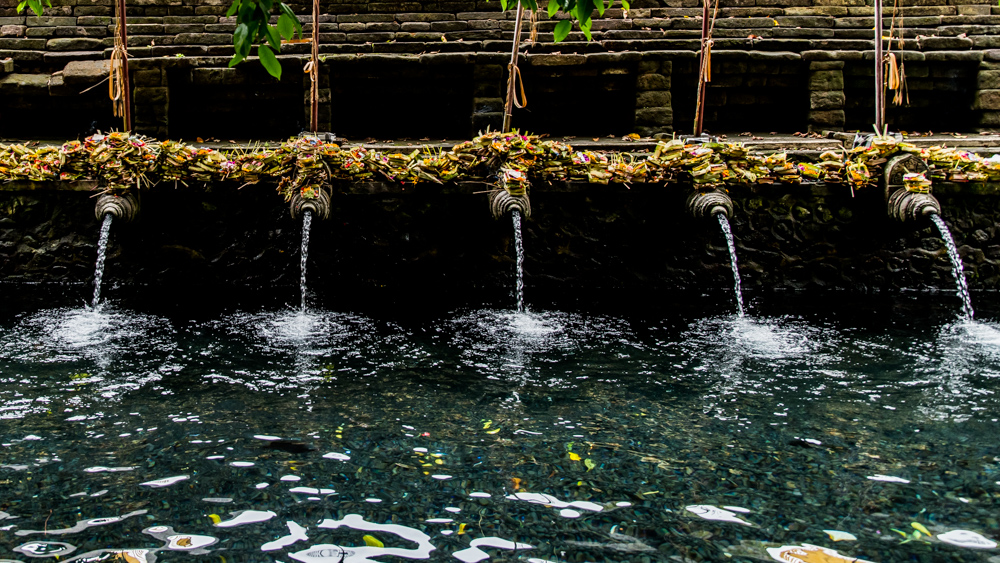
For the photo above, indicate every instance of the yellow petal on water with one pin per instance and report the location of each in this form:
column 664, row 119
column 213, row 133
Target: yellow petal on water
column 920, row 527
column 439, row 461
column 487, row 424
column 589, row 463
column 837, row 535
column 461, row 529
column 574, row 457
column 372, row 541
column 494, row 431
column 215, row 518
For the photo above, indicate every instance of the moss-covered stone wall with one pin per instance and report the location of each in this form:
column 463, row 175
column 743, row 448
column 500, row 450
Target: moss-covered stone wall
column 579, row 236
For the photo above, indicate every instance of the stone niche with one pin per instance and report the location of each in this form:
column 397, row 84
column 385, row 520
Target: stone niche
column 941, row 94
column 39, row 106
column 748, row 92
column 388, row 98
column 610, row 86
column 232, row 102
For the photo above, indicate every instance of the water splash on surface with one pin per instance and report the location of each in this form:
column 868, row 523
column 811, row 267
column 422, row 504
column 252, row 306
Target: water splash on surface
column 519, row 244
column 724, row 223
column 102, row 248
column 956, row 266
column 306, row 224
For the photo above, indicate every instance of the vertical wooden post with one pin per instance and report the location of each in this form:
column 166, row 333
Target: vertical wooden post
column 879, row 71
column 512, row 69
column 314, row 82
column 127, row 91
column 699, row 110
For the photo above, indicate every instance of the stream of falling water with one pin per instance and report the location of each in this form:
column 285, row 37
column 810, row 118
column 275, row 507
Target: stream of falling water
column 102, row 248
column 956, row 266
column 306, row 224
column 724, row 223
column 519, row 244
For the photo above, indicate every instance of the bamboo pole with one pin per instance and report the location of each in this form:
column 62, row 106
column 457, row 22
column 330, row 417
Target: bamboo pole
column 879, row 71
column 512, row 69
column 127, row 90
column 314, row 77
column 699, row 109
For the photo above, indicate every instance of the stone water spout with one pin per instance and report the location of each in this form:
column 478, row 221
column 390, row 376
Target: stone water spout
column 902, row 204
column 122, row 207
column 502, row 203
column 708, row 204
column 319, row 206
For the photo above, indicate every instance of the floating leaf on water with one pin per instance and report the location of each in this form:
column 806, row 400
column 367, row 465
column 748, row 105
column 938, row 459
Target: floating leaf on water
column 574, row 456
column 837, row 535
column 966, row 538
column 461, row 528
column 215, row 518
column 920, row 527
column 487, row 424
column 295, row 533
column 807, row 553
column 372, row 541
column 590, row 464
column 494, row 431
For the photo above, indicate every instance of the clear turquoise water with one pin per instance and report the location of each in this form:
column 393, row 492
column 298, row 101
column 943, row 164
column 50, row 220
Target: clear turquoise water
column 624, row 415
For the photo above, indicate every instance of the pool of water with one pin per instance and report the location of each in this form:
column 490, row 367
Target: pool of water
column 154, row 429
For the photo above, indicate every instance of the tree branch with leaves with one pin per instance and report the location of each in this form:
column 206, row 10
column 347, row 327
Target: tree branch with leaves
column 253, row 27
column 580, row 10
column 35, row 5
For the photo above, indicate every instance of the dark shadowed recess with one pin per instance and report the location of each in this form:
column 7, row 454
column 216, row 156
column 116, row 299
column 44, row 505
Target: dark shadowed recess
column 940, row 97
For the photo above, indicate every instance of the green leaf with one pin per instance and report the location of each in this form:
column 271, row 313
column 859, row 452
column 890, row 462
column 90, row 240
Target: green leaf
column 237, row 58
column 252, row 26
column 246, row 11
column 585, row 27
column 269, row 61
column 553, row 7
column 273, row 37
column 562, row 30
column 626, row 5
column 240, row 36
column 20, row 7
column 285, row 10
column 600, row 7
column 286, row 26
column 233, row 9
column 584, row 8
column 265, row 6
column 36, row 7
column 503, row 5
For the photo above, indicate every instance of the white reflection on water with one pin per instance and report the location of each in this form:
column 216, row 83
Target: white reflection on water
column 338, row 554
